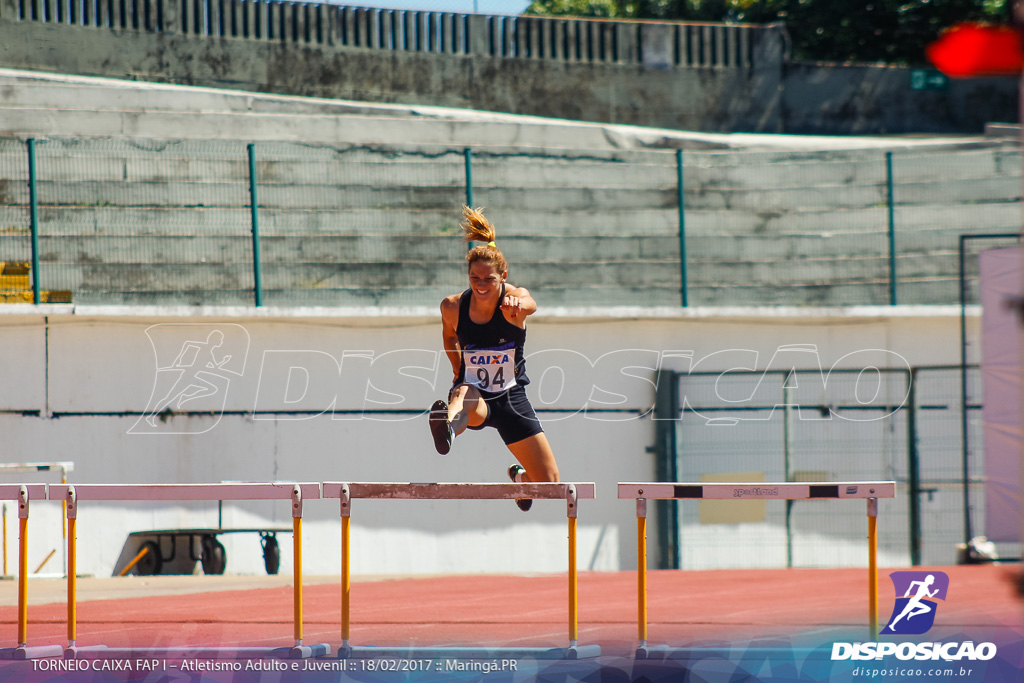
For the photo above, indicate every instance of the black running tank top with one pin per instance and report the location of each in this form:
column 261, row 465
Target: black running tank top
column 492, row 353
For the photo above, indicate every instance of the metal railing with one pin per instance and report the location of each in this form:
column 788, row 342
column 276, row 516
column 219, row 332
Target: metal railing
column 321, row 23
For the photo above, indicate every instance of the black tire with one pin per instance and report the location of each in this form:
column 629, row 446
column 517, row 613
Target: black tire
column 151, row 563
column 215, row 558
column 271, row 552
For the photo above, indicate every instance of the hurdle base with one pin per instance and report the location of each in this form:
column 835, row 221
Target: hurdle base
column 104, row 652
column 26, row 653
column 370, row 652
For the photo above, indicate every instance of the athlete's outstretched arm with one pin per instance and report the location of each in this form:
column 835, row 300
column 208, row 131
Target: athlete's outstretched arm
column 518, row 304
column 449, row 323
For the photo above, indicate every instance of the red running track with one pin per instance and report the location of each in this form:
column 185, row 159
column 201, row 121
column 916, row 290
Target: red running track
column 686, row 608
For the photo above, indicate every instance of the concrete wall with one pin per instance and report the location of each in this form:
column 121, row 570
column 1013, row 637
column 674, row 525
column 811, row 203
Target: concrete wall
column 866, row 99
column 330, row 394
column 668, row 75
column 479, row 76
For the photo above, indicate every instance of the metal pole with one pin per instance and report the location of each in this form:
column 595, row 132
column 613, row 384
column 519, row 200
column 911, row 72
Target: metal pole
column 571, row 504
column 33, row 201
column 964, row 422
column 253, row 207
column 346, row 578
column 297, row 574
column 23, row 567
column 873, row 568
column 787, row 416
column 641, row 570
column 684, row 285
column 892, row 230
column 71, row 506
column 913, row 471
column 468, row 154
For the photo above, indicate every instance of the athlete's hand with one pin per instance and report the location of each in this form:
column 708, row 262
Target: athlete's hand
column 512, row 303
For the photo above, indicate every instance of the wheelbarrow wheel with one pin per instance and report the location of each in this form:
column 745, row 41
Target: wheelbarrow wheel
column 271, row 552
column 151, row 563
column 214, row 558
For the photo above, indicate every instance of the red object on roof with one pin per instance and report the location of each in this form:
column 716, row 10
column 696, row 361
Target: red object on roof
column 978, row 50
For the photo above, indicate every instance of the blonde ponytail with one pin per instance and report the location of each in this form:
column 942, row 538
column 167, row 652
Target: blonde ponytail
column 476, row 228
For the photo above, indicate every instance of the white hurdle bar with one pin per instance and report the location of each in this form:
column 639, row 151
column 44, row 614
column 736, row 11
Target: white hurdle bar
column 571, row 493
column 23, row 493
column 642, row 492
column 295, row 492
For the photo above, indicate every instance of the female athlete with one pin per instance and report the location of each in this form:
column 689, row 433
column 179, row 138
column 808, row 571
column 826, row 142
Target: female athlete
column 484, row 330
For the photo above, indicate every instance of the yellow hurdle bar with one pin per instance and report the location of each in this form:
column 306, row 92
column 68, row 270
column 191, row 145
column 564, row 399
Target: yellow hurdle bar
column 865, row 490
column 570, row 492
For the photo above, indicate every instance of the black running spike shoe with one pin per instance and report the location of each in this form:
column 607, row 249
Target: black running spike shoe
column 441, row 428
column 514, row 471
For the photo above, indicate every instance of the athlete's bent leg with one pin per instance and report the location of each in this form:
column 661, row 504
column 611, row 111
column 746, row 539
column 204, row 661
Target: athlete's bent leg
column 534, row 453
column 466, row 408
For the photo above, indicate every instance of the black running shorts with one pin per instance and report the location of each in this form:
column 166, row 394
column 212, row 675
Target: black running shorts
column 510, row 413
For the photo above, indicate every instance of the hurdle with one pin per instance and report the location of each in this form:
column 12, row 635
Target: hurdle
column 642, row 492
column 295, row 492
column 63, row 467
column 571, row 493
column 23, row 493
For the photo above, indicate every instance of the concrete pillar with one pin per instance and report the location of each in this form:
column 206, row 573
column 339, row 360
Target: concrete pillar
column 657, row 48
column 8, row 10
column 478, row 35
column 626, row 35
column 767, row 57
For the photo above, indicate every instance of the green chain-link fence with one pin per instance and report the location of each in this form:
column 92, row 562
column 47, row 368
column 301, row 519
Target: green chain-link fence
column 151, row 222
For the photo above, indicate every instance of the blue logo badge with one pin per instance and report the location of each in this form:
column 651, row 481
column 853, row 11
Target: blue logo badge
column 914, row 612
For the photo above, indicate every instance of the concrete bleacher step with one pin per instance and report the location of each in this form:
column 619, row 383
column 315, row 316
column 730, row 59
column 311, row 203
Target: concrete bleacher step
column 144, row 198
column 35, row 103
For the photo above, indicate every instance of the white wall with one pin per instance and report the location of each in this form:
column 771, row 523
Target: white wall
column 77, row 382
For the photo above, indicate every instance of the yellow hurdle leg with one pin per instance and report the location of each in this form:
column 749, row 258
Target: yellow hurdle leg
column 873, row 567
column 573, row 599
column 72, row 581
column 23, row 582
column 641, row 571
column 297, row 580
column 346, row 580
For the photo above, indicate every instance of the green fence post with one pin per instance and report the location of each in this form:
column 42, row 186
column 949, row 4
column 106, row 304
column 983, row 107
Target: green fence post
column 913, row 470
column 468, row 155
column 892, row 229
column 257, row 279
column 33, row 201
column 684, row 286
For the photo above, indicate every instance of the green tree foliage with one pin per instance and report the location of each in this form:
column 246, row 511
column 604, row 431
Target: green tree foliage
column 893, row 31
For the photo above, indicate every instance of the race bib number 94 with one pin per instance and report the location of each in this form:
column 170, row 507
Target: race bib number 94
column 491, row 370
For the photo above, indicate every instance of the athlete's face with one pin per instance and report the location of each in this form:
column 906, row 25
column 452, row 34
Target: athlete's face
column 485, row 280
